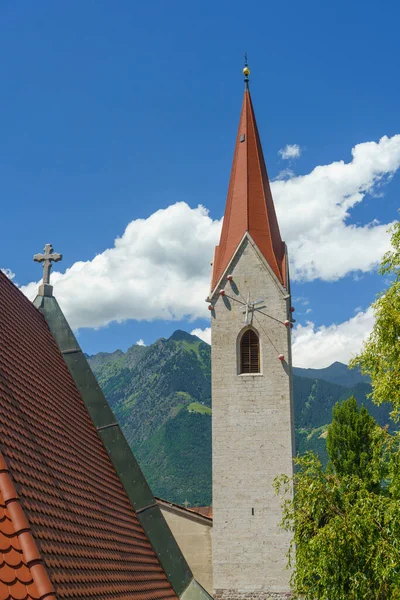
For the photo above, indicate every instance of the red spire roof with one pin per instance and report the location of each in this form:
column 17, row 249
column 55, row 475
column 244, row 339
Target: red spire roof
column 249, row 205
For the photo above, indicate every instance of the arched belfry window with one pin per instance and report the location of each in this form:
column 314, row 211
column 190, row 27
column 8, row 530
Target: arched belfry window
column 249, row 352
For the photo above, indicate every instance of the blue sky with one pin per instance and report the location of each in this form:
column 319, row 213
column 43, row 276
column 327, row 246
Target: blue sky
column 110, row 112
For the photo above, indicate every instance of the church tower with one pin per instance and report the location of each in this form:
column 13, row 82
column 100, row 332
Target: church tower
column 252, row 421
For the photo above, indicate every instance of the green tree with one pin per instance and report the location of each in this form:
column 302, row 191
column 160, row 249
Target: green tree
column 346, row 539
column 346, row 520
column 346, row 523
column 380, row 356
column 349, row 441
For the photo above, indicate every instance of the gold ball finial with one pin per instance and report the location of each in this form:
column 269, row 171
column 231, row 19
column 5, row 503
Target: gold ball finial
column 246, row 72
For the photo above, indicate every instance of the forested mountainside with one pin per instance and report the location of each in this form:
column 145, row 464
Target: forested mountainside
column 161, row 395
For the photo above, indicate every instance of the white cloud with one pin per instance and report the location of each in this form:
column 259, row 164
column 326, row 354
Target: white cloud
column 8, row 273
column 140, row 343
column 319, row 347
column 301, row 300
column 284, row 174
column 159, row 268
column 290, row 151
column 203, row 334
column 313, row 209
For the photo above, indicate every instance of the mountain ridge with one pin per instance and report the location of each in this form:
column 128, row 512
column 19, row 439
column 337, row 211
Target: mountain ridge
column 335, row 372
column 161, row 396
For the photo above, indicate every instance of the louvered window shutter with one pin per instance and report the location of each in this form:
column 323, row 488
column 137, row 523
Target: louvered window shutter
column 249, row 352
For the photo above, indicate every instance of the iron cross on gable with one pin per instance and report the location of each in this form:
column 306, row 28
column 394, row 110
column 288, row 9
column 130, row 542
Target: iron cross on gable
column 47, row 259
column 251, row 307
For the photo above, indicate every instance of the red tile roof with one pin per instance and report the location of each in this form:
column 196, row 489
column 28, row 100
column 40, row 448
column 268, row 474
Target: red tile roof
column 205, row 511
column 22, row 574
column 249, row 205
column 86, row 530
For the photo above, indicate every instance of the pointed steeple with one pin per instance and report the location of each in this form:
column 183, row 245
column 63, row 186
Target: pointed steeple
column 249, row 205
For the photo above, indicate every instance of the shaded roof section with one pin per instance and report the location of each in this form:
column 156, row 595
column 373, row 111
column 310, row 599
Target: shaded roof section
column 249, row 205
column 81, row 519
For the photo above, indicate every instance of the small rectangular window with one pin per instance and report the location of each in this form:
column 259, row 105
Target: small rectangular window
column 242, row 137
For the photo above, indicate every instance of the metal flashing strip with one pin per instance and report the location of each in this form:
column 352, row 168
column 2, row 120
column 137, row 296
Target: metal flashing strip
column 146, row 508
column 106, row 426
column 123, row 460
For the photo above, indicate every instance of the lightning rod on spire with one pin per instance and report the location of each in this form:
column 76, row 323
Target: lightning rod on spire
column 246, row 71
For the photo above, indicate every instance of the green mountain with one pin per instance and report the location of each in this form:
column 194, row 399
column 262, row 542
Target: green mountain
column 161, row 395
column 336, row 373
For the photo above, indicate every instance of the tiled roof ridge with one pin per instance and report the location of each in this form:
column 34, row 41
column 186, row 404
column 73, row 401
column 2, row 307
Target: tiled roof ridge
column 197, row 510
column 204, row 511
column 22, row 529
column 21, row 295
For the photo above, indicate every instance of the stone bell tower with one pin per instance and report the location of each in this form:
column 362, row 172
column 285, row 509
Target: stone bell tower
column 253, row 431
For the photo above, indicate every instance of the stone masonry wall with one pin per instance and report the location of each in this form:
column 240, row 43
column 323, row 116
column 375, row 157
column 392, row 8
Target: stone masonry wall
column 263, row 595
column 252, row 438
